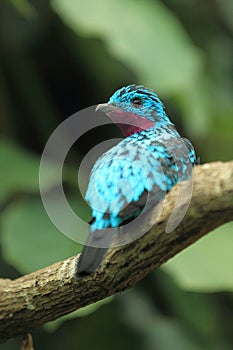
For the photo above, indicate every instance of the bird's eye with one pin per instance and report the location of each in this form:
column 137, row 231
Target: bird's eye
column 137, row 102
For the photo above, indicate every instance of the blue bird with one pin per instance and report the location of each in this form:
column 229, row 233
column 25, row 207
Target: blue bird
column 150, row 160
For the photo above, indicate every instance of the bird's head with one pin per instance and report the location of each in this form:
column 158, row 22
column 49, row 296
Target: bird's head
column 134, row 108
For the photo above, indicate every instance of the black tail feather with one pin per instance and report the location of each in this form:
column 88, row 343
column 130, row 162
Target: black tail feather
column 93, row 252
column 90, row 260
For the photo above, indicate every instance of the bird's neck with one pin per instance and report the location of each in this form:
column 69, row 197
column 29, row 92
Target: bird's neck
column 156, row 126
column 128, row 129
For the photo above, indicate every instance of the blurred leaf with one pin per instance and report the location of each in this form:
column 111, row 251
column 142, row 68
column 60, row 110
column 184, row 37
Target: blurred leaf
column 85, row 311
column 143, row 34
column 199, row 313
column 24, row 7
column 195, row 111
column 29, row 239
column 34, row 93
column 169, row 335
column 159, row 332
column 17, row 27
column 206, row 265
column 226, row 7
column 151, row 41
column 19, row 170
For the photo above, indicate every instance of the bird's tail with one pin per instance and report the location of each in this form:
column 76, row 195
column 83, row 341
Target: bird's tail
column 92, row 256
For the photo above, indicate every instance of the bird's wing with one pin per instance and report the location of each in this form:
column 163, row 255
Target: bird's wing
column 119, row 186
column 122, row 178
column 182, row 158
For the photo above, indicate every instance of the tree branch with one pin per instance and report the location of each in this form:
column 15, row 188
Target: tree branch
column 54, row 291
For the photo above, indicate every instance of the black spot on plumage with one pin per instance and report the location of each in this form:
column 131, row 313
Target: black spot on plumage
column 141, row 92
column 122, row 92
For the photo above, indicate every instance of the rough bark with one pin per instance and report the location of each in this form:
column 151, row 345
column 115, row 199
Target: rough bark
column 47, row 294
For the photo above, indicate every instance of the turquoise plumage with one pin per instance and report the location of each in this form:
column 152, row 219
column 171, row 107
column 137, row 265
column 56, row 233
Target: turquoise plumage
column 152, row 158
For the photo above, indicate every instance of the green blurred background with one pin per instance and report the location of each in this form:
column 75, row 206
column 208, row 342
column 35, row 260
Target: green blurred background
column 59, row 56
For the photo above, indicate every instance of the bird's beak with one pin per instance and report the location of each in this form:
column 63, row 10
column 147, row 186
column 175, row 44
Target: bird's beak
column 106, row 107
